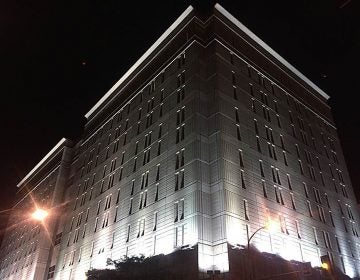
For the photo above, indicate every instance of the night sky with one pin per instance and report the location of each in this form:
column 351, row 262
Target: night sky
column 58, row 58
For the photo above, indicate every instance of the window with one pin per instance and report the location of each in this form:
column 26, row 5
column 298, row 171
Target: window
column 179, row 210
column 256, row 127
column 309, row 208
column 242, row 179
column 297, row 225
column 144, row 180
column 84, row 231
column 292, row 201
column 238, row 134
column 51, row 272
column 156, row 192
column 57, row 239
column 237, row 119
column 92, row 249
column 179, row 159
column 98, row 207
column 179, row 180
column 160, row 131
column 180, row 134
column 301, row 167
column 338, row 244
column 235, row 93
column 118, row 197
column 241, row 158
column 305, row 190
column 285, row 158
column 180, row 116
column 283, row 225
column 96, row 223
column 246, row 209
column 180, row 94
column 155, row 221
column 289, row 181
column 315, row 236
column 327, row 240
column 264, row 188
column 134, row 166
column 258, row 144
column 116, row 214
column 130, row 207
column 128, row 234
column 261, row 169
column 321, row 214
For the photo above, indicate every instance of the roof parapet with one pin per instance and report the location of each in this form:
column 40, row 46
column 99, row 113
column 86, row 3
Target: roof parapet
column 158, row 42
column 278, row 57
column 48, row 156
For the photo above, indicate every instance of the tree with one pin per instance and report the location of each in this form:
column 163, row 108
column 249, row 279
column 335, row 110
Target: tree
column 135, row 268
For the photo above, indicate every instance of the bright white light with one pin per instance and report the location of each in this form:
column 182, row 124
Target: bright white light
column 272, row 226
column 39, row 214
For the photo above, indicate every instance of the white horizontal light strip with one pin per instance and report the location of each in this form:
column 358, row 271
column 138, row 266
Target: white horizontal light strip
column 139, row 91
column 270, row 50
column 275, row 83
column 141, row 60
column 48, row 155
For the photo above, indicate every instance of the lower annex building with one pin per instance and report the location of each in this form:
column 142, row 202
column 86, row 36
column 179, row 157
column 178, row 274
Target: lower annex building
column 209, row 135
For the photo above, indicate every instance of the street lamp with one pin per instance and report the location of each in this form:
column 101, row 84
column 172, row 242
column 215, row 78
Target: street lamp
column 271, row 226
column 39, row 214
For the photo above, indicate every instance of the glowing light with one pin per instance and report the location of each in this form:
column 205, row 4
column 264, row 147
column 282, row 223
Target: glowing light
column 325, row 266
column 39, row 214
column 272, row 226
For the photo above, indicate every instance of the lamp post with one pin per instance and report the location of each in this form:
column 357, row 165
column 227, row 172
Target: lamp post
column 271, row 226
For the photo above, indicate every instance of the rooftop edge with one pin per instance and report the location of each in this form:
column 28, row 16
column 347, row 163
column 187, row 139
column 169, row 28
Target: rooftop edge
column 177, row 22
column 41, row 162
column 248, row 32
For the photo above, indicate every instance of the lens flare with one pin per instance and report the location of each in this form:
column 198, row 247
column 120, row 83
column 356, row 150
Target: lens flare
column 39, row 214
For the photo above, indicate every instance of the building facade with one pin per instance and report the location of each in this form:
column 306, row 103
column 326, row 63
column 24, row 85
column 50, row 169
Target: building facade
column 28, row 245
column 205, row 139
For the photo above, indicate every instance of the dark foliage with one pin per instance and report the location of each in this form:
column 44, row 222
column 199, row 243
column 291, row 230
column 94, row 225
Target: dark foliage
column 135, row 268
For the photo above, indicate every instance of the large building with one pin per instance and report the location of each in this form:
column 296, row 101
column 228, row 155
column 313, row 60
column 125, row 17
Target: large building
column 207, row 137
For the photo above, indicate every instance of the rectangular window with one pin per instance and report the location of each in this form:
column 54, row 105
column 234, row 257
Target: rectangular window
column 238, row 134
column 264, row 188
column 58, row 238
column 309, row 208
column 241, row 158
column 297, row 225
column 116, row 214
column 51, row 272
column 315, row 236
column 96, row 223
column 128, row 234
column 261, row 169
column 292, row 201
column 258, row 144
column 242, row 179
column 246, row 209
column 156, row 192
column 130, row 207
column 289, row 181
column 155, row 221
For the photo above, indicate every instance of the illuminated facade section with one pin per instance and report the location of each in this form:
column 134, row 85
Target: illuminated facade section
column 207, row 137
column 203, row 151
column 28, row 249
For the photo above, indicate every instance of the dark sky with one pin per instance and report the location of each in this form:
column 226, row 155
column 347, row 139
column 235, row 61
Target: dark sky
column 57, row 58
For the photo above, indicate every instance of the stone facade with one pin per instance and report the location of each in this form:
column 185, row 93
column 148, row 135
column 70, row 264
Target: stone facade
column 207, row 137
